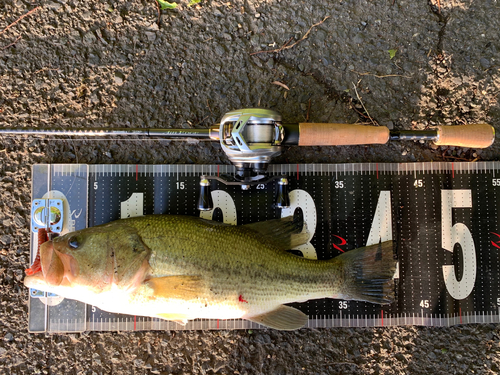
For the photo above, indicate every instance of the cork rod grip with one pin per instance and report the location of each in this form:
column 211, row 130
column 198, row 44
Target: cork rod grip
column 341, row 134
column 474, row 135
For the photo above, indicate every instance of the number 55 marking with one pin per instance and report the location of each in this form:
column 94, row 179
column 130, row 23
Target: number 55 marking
column 458, row 233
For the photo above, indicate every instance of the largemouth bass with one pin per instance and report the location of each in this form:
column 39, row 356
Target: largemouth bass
column 181, row 267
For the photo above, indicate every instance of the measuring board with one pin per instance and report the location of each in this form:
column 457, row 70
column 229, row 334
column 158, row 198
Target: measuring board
column 443, row 218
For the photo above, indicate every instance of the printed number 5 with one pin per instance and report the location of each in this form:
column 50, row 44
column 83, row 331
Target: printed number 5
column 458, row 233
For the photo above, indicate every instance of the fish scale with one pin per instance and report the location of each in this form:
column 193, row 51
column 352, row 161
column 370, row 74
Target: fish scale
column 414, row 216
column 213, row 249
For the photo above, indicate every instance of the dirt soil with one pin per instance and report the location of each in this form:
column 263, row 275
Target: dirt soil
column 86, row 64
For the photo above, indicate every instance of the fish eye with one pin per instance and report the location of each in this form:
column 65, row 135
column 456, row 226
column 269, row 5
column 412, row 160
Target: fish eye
column 73, row 242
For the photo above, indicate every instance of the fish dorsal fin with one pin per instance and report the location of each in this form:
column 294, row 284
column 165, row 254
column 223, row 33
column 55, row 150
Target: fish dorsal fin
column 284, row 318
column 177, row 287
column 285, row 233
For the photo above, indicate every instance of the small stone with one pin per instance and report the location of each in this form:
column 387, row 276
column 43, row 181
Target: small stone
column 485, row 63
column 89, row 38
column 151, row 36
column 6, row 239
column 257, row 15
column 52, row 5
column 404, row 152
column 87, row 16
column 8, row 337
column 119, row 77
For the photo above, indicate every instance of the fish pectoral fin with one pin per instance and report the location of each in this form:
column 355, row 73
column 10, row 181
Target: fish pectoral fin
column 178, row 287
column 178, row 318
column 284, row 318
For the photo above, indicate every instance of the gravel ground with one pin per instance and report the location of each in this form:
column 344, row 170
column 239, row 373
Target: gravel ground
column 93, row 63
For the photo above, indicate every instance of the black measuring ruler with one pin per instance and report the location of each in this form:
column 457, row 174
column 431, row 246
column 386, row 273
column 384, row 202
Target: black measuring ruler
column 443, row 218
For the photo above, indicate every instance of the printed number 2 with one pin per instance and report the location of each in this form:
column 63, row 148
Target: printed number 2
column 458, row 233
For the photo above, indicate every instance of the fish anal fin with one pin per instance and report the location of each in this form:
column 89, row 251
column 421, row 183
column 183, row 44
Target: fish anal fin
column 283, row 318
column 178, row 318
column 177, row 287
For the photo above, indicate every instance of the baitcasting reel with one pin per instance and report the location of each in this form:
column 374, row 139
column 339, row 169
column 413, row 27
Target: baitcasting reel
column 250, row 137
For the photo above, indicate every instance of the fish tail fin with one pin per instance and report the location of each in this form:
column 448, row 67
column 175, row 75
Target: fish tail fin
column 368, row 273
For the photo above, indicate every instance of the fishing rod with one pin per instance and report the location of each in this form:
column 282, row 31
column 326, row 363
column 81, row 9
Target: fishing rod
column 251, row 137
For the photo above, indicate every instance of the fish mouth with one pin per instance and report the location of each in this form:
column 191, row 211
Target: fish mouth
column 52, row 266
